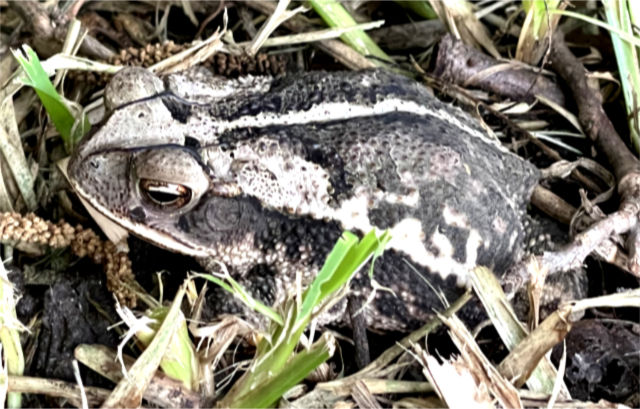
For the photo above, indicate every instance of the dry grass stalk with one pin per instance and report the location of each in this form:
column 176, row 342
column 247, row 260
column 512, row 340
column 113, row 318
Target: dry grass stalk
column 31, row 229
column 524, row 358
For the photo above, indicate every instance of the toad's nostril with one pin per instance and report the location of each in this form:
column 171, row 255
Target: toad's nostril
column 138, row 214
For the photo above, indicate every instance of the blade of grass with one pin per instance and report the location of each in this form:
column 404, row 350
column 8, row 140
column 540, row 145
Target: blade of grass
column 299, row 367
column 314, row 294
column 510, row 330
column 344, row 260
column 533, row 40
column 623, row 35
column 11, row 148
column 179, row 361
column 335, row 15
column 353, row 255
column 619, row 15
column 58, row 110
column 318, row 35
column 549, row 138
column 128, row 392
column 459, row 17
column 236, row 289
column 280, row 15
column 267, row 378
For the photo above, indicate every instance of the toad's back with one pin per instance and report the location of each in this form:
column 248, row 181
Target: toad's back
column 291, row 162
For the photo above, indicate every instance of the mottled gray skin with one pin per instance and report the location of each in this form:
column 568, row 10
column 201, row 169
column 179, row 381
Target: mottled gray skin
column 275, row 169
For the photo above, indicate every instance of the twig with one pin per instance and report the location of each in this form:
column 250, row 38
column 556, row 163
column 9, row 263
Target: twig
column 376, row 367
column 48, row 33
column 552, row 205
column 210, row 18
column 467, row 66
column 591, row 114
column 472, row 103
column 625, row 167
column 360, row 339
column 414, row 35
column 55, row 387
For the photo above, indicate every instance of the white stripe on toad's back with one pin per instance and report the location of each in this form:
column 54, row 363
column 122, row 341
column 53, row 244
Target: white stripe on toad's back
column 333, row 111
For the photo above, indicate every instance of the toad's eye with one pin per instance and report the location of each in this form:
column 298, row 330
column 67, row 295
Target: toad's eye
column 165, row 195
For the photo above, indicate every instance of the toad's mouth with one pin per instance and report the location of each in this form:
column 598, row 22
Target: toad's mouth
column 116, row 227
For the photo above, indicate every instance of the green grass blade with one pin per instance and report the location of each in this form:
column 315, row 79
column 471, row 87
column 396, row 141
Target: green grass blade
column 179, row 361
column 274, row 369
column 539, row 11
column 346, row 258
column 298, row 368
column 239, row 292
column 534, row 36
column 129, row 391
column 314, row 294
column 623, row 35
column 335, row 15
column 619, row 15
column 55, row 105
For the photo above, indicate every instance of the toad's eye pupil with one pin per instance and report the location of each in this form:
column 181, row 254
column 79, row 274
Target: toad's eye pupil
column 164, row 194
column 162, row 197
